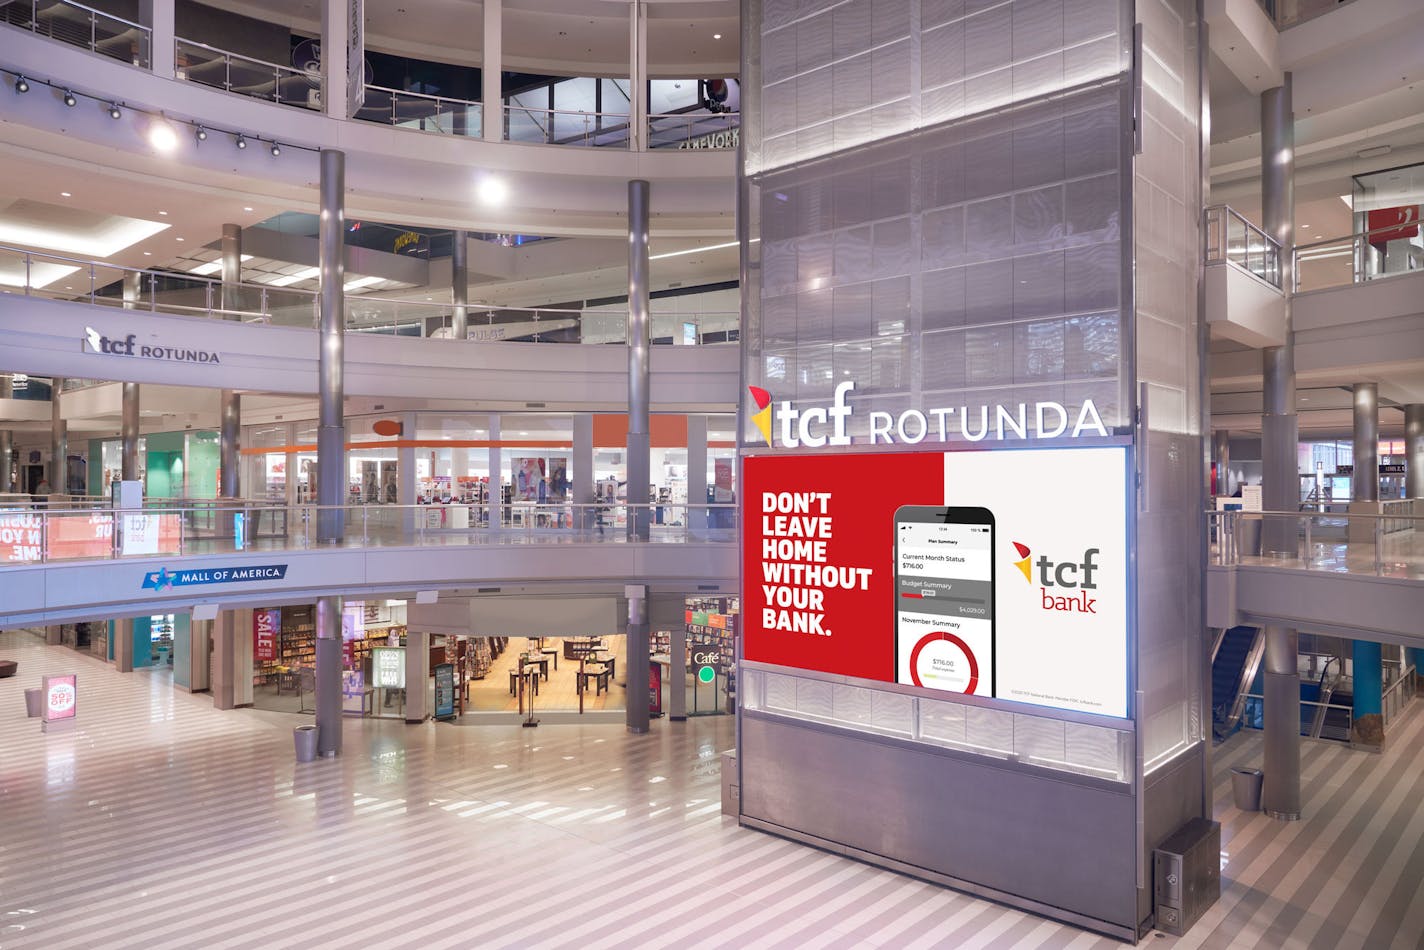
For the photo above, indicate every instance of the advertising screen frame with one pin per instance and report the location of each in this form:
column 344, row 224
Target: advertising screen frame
column 1130, row 508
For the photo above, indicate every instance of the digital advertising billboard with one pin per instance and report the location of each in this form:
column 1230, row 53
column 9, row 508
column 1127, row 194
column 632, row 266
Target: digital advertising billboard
column 1000, row 574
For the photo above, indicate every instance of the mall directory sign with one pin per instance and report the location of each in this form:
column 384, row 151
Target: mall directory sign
column 1001, row 574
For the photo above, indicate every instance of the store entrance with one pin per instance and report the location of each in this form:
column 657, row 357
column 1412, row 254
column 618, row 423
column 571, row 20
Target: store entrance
column 563, row 676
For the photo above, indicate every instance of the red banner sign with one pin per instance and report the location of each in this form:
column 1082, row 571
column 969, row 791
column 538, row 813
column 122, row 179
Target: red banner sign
column 265, row 624
column 80, row 535
column 1400, row 223
column 21, row 537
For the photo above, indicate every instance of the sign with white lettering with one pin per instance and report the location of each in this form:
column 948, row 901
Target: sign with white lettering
column 96, row 342
column 163, row 577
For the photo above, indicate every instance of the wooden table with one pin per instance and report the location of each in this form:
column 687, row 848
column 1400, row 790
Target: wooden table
column 599, row 675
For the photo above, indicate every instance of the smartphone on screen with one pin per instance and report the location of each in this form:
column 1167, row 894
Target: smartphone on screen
column 944, row 598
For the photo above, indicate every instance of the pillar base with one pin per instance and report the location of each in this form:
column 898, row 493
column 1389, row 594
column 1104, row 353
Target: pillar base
column 1283, row 815
column 639, row 730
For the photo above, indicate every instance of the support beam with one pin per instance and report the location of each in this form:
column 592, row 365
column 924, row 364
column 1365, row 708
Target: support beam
column 417, row 677
column 1221, row 460
column 59, row 440
column 7, row 443
column 460, row 286
column 638, row 75
column 128, row 438
column 1414, row 451
column 697, row 515
column 637, row 695
column 158, row 16
column 1280, row 795
column 1364, row 483
column 335, row 35
column 584, row 483
column 328, row 676
column 639, row 375
column 491, row 73
column 1367, row 663
column 1280, row 483
column 331, row 423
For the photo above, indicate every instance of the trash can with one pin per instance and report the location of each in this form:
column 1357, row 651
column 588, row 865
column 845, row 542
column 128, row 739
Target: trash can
column 305, row 739
column 34, row 702
column 1246, row 788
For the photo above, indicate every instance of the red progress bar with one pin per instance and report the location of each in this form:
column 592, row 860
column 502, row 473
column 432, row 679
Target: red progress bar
column 916, row 596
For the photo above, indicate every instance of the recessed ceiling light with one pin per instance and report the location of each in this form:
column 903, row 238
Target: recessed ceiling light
column 182, row 239
column 716, row 36
column 246, row 209
column 492, row 191
column 164, row 213
column 161, row 136
column 147, row 253
column 65, row 194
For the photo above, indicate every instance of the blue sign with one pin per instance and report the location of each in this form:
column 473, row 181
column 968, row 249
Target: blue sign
column 444, row 691
column 163, row 577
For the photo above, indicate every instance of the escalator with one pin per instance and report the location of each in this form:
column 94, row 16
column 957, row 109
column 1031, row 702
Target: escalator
column 1235, row 659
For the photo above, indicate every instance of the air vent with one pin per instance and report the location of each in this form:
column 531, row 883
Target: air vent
column 709, row 586
column 487, row 590
column 534, row 405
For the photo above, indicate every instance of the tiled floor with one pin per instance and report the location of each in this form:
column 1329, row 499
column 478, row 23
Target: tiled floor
column 161, row 822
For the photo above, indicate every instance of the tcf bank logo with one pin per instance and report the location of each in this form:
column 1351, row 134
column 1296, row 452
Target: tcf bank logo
column 1058, row 579
column 796, row 427
column 98, row 343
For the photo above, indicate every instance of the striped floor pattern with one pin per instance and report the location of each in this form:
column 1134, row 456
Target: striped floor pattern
column 161, row 822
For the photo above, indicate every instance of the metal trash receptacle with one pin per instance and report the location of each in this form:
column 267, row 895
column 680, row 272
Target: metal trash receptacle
column 305, row 739
column 731, row 797
column 1246, row 788
column 34, row 702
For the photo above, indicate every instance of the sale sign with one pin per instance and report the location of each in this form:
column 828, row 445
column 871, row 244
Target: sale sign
column 80, row 534
column 21, row 537
column 1000, row 574
column 265, row 624
column 61, row 695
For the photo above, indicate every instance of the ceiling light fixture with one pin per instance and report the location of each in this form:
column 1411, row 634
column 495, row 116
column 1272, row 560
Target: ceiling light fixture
column 22, row 85
column 246, row 209
column 201, row 135
column 276, row 150
column 69, row 99
column 161, row 136
column 65, row 194
column 240, row 141
column 492, row 191
column 114, row 112
column 716, row 36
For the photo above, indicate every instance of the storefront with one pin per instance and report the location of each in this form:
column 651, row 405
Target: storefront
column 170, row 464
column 284, row 657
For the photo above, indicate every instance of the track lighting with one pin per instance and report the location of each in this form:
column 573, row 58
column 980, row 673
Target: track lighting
column 276, row 150
column 161, row 135
column 69, row 99
column 22, row 85
column 114, row 112
column 240, row 142
column 201, row 134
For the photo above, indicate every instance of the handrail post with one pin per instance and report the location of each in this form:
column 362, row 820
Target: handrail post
column 1379, row 546
column 1309, row 519
column 227, row 72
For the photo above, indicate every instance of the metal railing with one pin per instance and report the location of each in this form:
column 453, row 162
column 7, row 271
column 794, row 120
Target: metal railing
column 1351, row 259
column 245, row 75
column 1287, row 13
column 1232, row 239
column 694, row 130
column 56, row 277
column 1388, row 544
column 536, row 126
column 41, row 534
column 422, row 112
column 85, row 27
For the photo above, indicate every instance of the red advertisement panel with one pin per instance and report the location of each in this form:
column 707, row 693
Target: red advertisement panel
column 265, row 624
column 79, row 535
column 817, row 568
column 61, row 697
column 21, row 537
column 1401, row 222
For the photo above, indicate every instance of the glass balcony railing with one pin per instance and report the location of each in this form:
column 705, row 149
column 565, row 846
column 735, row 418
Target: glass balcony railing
column 54, row 277
column 1354, row 258
column 1231, row 239
column 233, row 72
column 81, row 26
column 424, row 113
column 1288, row 13
column 38, row 533
column 695, row 130
column 534, row 126
column 1388, row 544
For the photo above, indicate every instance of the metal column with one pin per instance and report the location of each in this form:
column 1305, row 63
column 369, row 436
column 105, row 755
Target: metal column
column 638, row 691
column 697, row 516
column 331, row 427
column 639, row 378
column 7, row 442
column 1221, row 460
column 1414, row 451
column 128, row 439
column 1280, row 483
column 460, row 286
column 638, row 75
column 1280, row 795
column 491, row 73
column 133, row 289
column 584, row 484
column 59, row 440
column 328, row 675
column 1364, row 483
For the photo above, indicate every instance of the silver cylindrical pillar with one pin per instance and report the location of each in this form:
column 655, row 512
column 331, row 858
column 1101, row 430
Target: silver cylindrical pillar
column 128, row 435
column 59, row 440
column 230, row 444
column 1280, row 797
column 638, row 692
column 328, row 675
column 1364, row 483
column 7, row 457
column 231, row 271
column 133, row 289
column 1280, row 483
column 460, row 285
column 639, row 377
column 331, row 426
column 1221, row 460
column 1414, row 450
